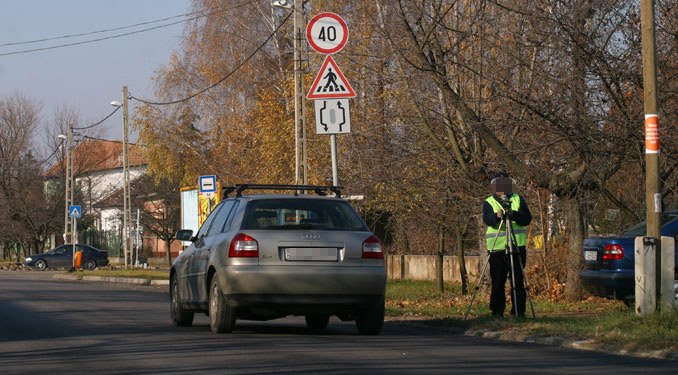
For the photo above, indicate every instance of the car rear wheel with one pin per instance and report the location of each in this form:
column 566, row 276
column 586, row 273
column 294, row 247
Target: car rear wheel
column 370, row 321
column 40, row 265
column 91, row 265
column 318, row 322
column 222, row 316
column 180, row 316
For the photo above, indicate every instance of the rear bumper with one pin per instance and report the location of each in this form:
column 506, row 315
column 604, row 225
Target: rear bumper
column 329, row 286
column 617, row 284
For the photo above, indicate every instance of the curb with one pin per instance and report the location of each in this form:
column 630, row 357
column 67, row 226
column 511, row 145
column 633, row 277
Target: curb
column 117, row 280
column 587, row 345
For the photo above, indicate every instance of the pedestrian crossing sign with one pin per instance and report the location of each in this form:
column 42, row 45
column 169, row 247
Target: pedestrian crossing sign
column 330, row 83
column 74, row 211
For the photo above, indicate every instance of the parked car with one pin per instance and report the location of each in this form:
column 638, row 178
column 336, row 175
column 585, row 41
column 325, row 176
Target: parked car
column 263, row 257
column 609, row 261
column 62, row 256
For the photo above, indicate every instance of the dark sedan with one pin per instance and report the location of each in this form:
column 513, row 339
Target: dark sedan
column 609, row 261
column 62, row 256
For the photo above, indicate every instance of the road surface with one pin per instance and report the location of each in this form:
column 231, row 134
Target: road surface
column 56, row 327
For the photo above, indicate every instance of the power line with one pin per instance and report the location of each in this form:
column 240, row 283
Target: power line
column 52, row 154
column 124, row 34
column 242, row 63
column 67, row 36
column 99, row 122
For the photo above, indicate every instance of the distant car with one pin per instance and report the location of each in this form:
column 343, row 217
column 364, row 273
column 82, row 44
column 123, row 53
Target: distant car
column 263, row 257
column 62, row 256
column 609, row 261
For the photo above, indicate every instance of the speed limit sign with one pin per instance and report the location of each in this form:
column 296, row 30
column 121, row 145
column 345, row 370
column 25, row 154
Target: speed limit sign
column 327, row 33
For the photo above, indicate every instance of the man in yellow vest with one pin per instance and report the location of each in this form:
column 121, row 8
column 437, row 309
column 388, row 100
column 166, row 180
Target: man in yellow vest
column 501, row 205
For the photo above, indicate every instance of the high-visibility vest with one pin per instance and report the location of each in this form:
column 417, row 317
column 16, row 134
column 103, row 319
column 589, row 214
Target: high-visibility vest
column 495, row 237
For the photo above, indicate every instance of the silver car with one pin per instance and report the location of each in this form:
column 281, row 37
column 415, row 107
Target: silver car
column 263, row 257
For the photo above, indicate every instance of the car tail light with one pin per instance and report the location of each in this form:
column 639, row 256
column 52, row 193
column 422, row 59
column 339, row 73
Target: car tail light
column 243, row 246
column 372, row 248
column 613, row 252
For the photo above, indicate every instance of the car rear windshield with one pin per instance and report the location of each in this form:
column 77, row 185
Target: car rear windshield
column 302, row 214
column 640, row 229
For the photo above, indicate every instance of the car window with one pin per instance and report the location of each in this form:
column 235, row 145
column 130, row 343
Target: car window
column 219, row 221
column 206, row 225
column 640, row 229
column 63, row 249
column 302, row 214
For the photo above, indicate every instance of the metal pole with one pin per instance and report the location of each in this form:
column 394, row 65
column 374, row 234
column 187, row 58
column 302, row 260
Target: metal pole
column 335, row 168
column 137, row 240
column 68, row 196
column 652, row 139
column 297, row 85
column 125, row 175
column 73, row 241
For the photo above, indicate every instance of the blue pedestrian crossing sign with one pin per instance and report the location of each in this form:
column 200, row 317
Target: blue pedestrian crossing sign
column 74, row 211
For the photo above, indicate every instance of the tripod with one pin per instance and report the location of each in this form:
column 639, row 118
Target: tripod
column 511, row 250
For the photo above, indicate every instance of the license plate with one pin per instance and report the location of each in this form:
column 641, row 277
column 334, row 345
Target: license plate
column 322, row 254
column 591, row 255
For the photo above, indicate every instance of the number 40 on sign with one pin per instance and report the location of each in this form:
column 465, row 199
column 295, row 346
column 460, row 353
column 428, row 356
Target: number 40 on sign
column 327, row 33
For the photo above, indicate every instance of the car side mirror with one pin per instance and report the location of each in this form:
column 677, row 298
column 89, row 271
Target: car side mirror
column 184, row 235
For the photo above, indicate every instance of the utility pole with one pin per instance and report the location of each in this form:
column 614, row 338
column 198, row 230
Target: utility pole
column 299, row 111
column 652, row 139
column 125, row 176
column 68, row 184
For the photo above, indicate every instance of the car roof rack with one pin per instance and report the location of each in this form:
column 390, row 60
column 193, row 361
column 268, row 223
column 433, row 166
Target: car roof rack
column 320, row 190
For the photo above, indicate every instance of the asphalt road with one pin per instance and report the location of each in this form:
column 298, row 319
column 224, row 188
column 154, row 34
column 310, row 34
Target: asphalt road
column 54, row 327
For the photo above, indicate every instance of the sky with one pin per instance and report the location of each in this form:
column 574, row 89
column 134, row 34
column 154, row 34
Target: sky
column 86, row 77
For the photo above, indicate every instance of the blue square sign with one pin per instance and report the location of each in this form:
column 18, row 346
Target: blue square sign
column 208, row 184
column 74, row 211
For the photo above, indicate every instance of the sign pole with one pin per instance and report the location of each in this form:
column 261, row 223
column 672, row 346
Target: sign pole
column 74, row 239
column 335, row 168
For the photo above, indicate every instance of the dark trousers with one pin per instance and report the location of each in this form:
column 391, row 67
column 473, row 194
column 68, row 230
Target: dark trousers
column 500, row 270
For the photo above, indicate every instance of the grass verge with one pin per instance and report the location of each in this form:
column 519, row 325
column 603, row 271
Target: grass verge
column 604, row 323
column 141, row 274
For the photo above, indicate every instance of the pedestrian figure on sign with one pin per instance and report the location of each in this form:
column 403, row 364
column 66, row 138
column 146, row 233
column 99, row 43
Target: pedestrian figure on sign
column 331, row 80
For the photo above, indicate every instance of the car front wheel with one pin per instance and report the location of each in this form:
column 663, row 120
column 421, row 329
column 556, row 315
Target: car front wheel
column 180, row 316
column 370, row 321
column 222, row 316
column 40, row 265
column 91, row 265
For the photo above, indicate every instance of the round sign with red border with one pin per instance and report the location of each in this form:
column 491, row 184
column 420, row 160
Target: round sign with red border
column 327, row 33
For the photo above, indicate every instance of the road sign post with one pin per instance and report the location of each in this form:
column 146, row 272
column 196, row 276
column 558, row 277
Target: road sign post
column 207, row 185
column 75, row 212
column 327, row 33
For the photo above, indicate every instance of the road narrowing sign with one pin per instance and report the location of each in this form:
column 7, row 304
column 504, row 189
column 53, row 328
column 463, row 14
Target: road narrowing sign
column 330, row 83
column 332, row 116
column 327, row 33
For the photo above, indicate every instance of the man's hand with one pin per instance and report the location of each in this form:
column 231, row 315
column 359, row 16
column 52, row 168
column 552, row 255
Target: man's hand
column 500, row 214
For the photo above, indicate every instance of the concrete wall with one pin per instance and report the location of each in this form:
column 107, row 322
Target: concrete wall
column 423, row 267
column 410, row 267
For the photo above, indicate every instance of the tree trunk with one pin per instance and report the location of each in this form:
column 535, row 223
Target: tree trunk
column 462, row 261
column 576, row 232
column 440, row 282
column 168, row 244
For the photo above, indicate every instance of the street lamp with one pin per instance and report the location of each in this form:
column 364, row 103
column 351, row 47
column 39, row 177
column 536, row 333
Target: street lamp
column 68, row 182
column 125, row 174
